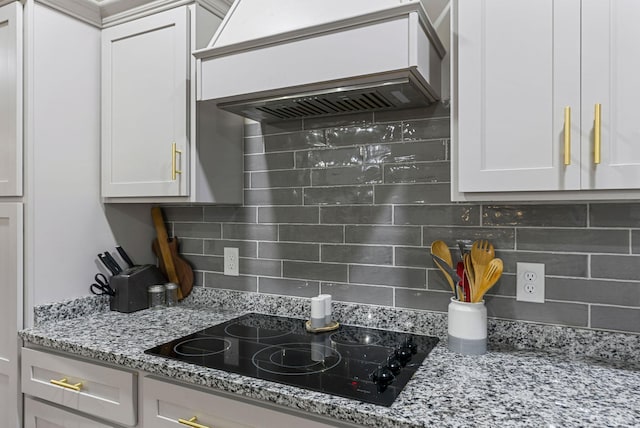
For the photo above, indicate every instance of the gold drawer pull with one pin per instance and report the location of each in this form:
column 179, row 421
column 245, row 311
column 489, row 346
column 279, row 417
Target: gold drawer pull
column 567, row 135
column 174, row 153
column 63, row 383
column 596, row 136
column 191, row 423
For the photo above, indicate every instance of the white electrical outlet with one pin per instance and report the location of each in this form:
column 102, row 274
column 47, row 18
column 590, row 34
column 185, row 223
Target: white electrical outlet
column 231, row 261
column 530, row 282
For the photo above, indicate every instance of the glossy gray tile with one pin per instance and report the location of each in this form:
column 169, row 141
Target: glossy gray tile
column 315, row 271
column 294, row 141
column 535, row 215
column 358, row 293
column 395, row 276
column 253, row 145
column 261, row 232
column 437, row 193
column 370, row 134
column 371, row 214
column 593, row 291
column 238, row 283
column 556, row 264
column 363, row 254
column 289, row 251
column 342, row 195
column 426, row 151
column 205, row 263
column 361, row 174
column 385, row 235
column 230, row 214
column 574, row 240
column 438, row 215
column 288, row 287
column 260, row 267
column 413, row 256
column 422, row 299
column 615, row 318
column 309, row 233
column 570, row 314
column 273, row 197
column 419, row 172
column 197, row 230
column 215, row 247
column 328, row 158
column 264, row 162
column 615, row 267
column 288, row 214
column 281, row 178
column 427, row 129
column 190, row 246
column 614, row 215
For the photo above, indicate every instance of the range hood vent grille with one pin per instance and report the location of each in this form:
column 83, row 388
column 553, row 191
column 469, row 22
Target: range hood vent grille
column 398, row 94
column 317, row 106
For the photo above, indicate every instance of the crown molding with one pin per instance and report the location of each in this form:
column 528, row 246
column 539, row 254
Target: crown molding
column 107, row 13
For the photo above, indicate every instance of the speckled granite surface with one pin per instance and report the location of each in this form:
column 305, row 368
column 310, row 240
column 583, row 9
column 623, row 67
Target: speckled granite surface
column 501, row 388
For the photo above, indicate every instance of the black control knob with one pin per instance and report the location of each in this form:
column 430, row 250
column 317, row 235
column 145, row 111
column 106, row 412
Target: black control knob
column 409, row 343
column 403, row 355
column 382, row 376
column 393, row 364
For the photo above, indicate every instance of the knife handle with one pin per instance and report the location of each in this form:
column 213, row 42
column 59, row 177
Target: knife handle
column 106, row 264
column 124, row 256
column 113, row 262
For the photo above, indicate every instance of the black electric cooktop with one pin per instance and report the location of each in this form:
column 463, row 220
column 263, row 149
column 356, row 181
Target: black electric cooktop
column 364, row 364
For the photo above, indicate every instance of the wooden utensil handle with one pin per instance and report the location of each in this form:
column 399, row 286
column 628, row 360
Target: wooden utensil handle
column 163, row 244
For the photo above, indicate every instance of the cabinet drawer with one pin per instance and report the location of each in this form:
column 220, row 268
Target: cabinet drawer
column 41, row 415
column 166, row 403
column 103, row 392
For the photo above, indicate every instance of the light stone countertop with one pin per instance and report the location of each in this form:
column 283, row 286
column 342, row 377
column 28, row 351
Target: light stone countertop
column 502, row 388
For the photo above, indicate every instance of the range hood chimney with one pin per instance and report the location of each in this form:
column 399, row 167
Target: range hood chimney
column 289, row 59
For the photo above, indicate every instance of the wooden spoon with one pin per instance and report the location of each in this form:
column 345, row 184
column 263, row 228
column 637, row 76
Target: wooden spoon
column 489, row 278
column 440, row 249
column 482, row 253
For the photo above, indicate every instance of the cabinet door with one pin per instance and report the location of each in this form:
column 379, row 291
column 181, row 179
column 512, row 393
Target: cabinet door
column 518, row 68
column 145, row 106
column 38, row 414
column 166, row 404
column 11, row 259
column 610, row 70
column 11, row 100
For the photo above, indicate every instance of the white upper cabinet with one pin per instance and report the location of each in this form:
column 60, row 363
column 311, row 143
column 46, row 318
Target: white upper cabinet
column 158, row 144
column 144, row 104
column 610, row 70
column 529, row 77
column 11, row 99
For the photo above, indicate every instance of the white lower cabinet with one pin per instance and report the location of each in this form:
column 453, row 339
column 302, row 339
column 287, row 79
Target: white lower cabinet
column 97, row 390
column 38, row 414
column 167, row 405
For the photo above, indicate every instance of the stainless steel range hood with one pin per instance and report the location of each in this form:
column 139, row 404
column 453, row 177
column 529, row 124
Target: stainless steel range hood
column 287, row 59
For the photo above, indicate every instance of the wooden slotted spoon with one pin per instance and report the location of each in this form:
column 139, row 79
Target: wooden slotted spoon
column 482, row 253
column 469, row 272
column 490, row 276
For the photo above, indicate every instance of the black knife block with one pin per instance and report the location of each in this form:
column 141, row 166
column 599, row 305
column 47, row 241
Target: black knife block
column 130, row 287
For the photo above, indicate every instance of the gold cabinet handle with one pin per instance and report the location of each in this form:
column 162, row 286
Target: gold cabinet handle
column 596, row 136
column 567, row 135
column 174, row 153
column 192, row 423
column 63, row 383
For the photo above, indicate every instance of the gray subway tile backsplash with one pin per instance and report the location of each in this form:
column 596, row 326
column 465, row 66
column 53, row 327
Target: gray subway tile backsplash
column 349, row 206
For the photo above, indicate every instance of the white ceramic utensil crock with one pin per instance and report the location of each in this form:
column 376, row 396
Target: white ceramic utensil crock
column 467, row 327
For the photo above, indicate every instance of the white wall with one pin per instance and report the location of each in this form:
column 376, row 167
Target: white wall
column 66, row 225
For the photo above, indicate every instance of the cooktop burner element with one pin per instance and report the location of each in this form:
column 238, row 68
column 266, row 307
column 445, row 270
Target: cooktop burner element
column 364, row 364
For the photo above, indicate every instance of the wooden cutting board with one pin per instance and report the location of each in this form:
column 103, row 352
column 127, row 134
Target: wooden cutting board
column 174, row 267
